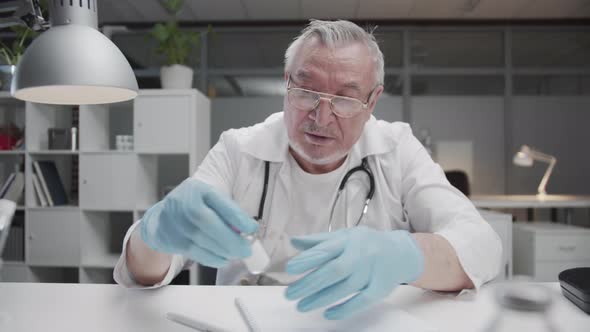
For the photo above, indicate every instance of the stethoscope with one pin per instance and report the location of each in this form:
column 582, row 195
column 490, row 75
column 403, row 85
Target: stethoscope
column 263, row 279
column 363, row 167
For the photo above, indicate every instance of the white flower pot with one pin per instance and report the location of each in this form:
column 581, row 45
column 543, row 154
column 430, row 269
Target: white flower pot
column 176, row 77
column 6, row 75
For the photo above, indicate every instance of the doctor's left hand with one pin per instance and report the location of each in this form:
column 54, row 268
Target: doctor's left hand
column 359, row 260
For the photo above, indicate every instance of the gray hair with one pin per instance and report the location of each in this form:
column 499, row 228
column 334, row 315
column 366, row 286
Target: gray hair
column 334, row 33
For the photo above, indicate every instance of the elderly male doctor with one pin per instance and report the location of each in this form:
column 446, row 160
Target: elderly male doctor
column 417, row 228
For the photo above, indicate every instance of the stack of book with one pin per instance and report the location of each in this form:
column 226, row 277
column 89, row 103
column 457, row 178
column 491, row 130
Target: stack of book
column 49, row 189
column 13, row 187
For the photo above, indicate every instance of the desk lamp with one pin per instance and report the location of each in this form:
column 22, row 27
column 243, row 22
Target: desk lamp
column 72, row 63
column 526, row 156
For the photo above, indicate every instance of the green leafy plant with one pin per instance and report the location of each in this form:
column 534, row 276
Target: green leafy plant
column 11, row 55
column 24, row 35
column 173, row 42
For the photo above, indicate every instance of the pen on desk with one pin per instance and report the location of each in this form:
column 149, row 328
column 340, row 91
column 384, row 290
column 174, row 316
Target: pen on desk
column 193, row 323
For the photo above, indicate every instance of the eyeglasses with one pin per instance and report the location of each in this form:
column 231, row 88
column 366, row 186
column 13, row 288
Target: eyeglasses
column 308, row 100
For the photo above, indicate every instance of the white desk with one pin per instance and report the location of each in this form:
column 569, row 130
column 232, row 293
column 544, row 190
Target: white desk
column 530, row 201
column 566, row 202
column 79, row 307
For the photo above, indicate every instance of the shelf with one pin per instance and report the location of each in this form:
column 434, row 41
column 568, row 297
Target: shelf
column 108, row 188
column 107, row 152
column 168, row 92
column 12, row 152
column 53, row 152
column 130, row 210
column 165, row 153
column 6, row 97
column 104, row 261
column 14, row 263
column 54, row 208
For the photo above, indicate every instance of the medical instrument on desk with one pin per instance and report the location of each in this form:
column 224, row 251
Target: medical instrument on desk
column 363, row 167
column 193, row 323
column 528, row 304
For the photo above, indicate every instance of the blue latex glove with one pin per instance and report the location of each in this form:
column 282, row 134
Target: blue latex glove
column 195, row 221
column 359, row 260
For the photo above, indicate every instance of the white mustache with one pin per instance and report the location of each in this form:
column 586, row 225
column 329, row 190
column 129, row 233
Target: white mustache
column 314, row 129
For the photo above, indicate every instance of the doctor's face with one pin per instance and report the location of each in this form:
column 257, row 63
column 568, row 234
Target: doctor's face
column 320, row 139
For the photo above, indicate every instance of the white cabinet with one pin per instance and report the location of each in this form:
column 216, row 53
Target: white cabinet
column 542, row 249
column 107, row 181
column 53, row 237
column 108, row 188
column 502, row 224
column 162, row 123
column 102, row 233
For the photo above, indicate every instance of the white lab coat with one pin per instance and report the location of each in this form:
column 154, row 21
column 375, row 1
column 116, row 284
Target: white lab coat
column 411, row 193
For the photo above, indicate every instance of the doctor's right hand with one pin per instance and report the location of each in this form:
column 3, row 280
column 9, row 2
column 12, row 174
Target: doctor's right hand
column 195, row 221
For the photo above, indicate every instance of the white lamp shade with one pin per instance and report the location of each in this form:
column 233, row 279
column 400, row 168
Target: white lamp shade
column 73, row 65
column 523, row 159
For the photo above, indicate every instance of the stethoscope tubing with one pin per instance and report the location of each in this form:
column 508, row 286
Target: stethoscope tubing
column 363, row 167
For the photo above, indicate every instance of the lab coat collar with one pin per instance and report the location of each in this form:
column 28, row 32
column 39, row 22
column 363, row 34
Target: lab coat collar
column 269, row 141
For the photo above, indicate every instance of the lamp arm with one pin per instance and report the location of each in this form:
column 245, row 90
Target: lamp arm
column 545, row 179
column 541, row 156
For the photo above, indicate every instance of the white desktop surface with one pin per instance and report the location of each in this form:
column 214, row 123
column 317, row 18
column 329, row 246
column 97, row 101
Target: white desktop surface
column 88, row 307
column 530, row 201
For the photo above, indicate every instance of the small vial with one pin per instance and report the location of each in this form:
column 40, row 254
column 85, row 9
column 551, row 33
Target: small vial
column 259, row 260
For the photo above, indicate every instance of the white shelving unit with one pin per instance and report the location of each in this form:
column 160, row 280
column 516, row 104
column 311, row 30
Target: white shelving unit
column 82, row 241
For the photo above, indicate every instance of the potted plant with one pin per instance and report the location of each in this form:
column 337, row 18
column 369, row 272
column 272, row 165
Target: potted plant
column 11, row 55
column 176, row 45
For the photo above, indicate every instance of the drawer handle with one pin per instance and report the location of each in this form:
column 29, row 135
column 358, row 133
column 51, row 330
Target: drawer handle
column 567, row 248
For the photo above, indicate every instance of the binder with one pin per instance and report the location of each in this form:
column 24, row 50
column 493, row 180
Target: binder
column 57, row 193
column 51, row 182
column 7, row 184
column 16, row 188
column 43, row 183
column 39, row 191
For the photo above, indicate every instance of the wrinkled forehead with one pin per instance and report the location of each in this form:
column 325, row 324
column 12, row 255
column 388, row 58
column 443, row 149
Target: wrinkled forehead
column 349, row 64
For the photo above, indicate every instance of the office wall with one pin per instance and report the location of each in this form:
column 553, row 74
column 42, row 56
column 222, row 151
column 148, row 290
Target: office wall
column 475, row 119
column 389, row 108
column 478, row 120
column 238, row 112
column 557, row 126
